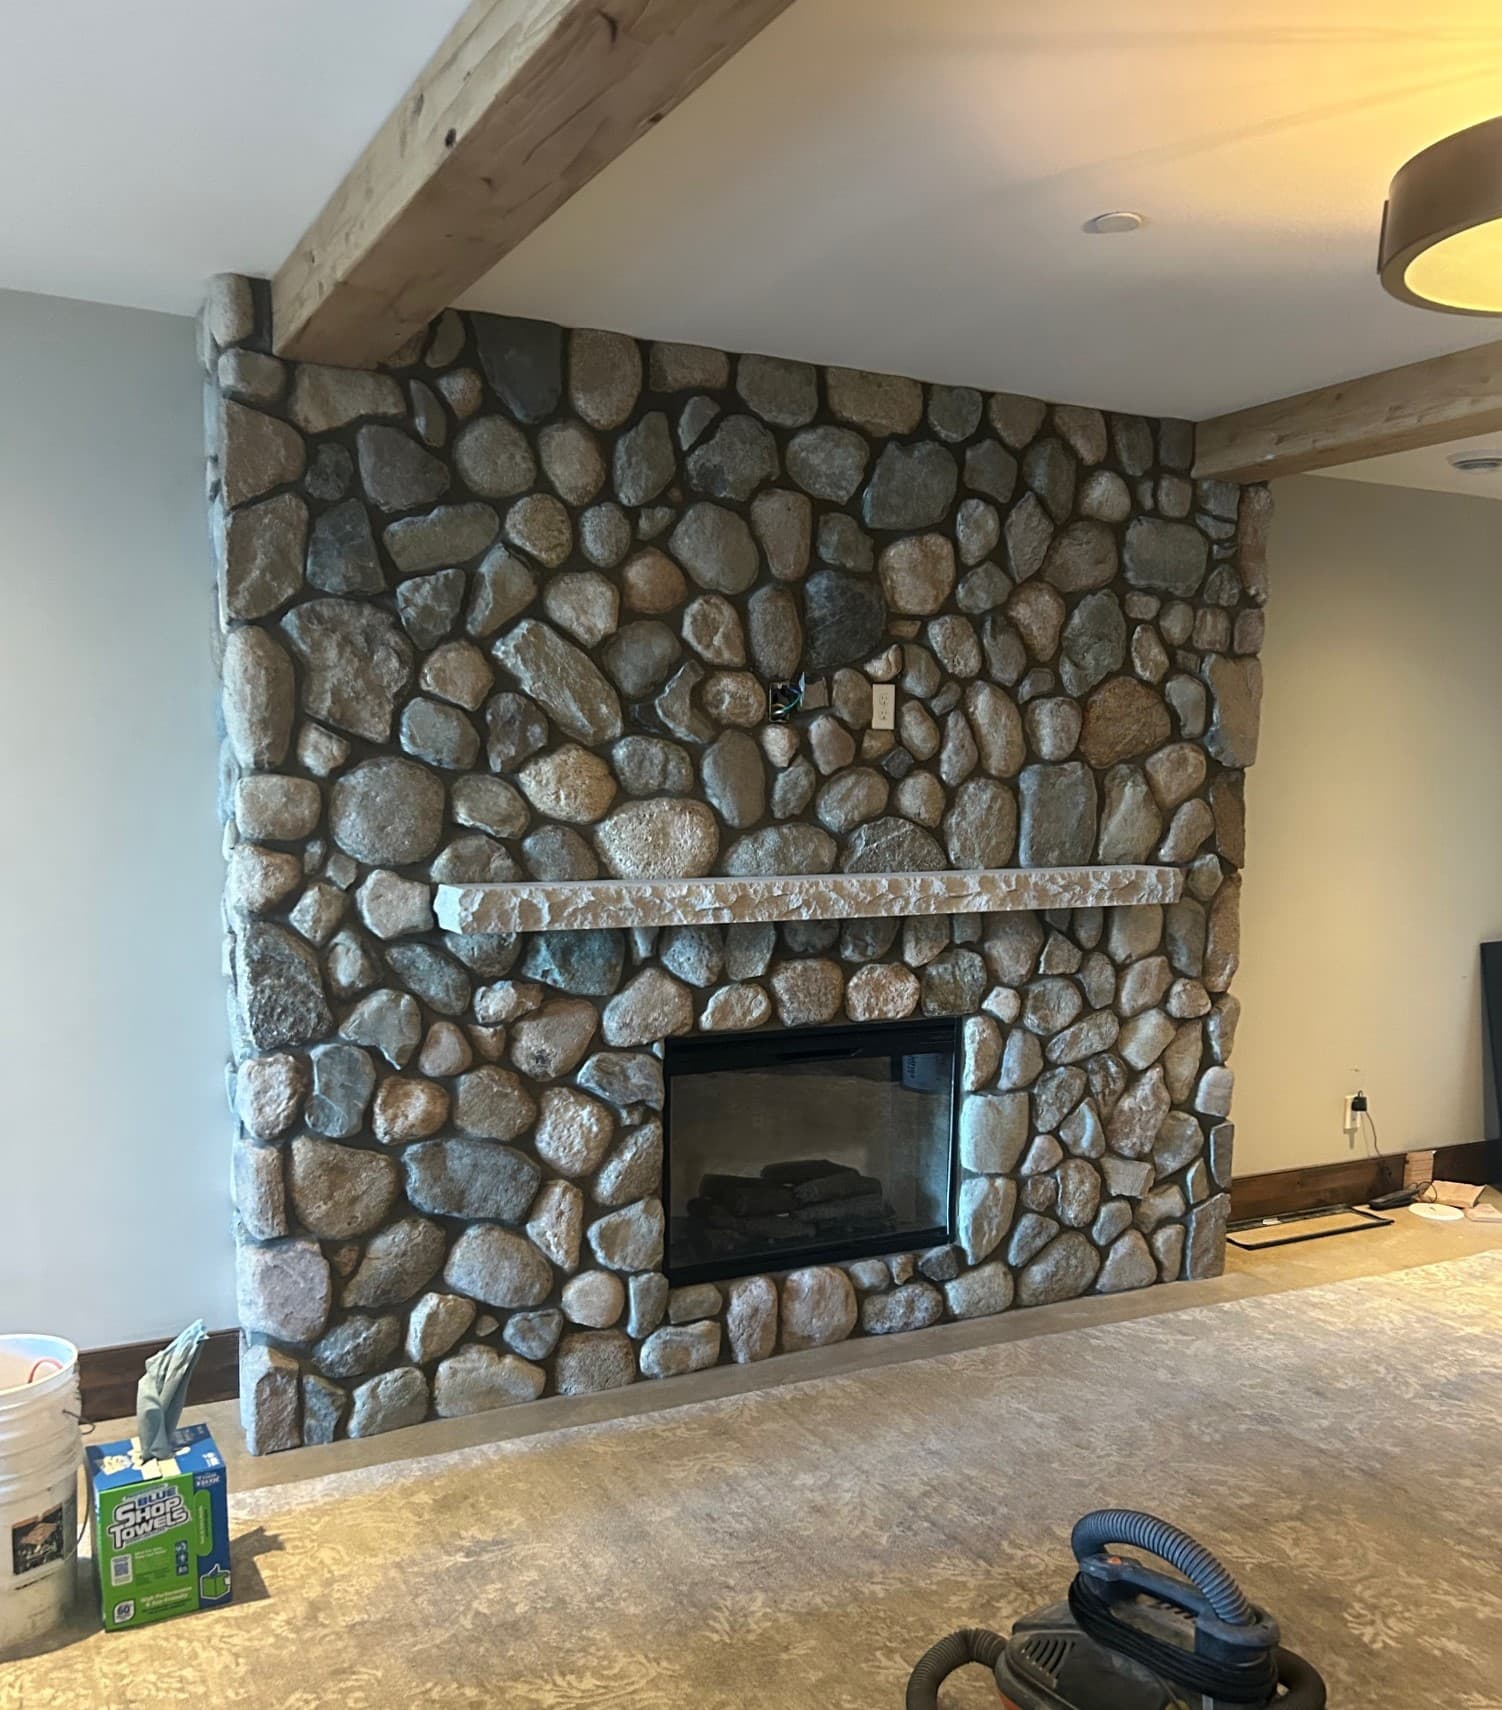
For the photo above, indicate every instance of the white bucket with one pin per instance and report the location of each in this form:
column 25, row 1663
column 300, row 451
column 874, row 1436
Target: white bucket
column 40, row 1448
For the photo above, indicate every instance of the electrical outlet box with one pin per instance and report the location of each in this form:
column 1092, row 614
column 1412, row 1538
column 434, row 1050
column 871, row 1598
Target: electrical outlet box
column 883, row 706
column 1350, row 1120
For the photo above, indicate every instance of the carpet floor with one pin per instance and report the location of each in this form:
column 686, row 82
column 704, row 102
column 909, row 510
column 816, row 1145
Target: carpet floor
column 798, row 1548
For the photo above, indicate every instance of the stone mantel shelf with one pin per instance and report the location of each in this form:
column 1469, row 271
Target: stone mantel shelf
column 581, row 904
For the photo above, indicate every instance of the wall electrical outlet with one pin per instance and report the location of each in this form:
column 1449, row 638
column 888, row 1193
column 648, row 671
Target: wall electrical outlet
column 883, row 706
column 1351, row 1118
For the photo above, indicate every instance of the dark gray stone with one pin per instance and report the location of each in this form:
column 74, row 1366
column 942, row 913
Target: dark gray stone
column 889, row 845
column 990, row 468
column 342, row 555
column 280, row 991
column 429, row 606
column 954, row 983
column 1081, row 556
column 396, row 471
column 740, row 457
column 1065, row 1268
column 1058, row 815
column 523, row 361
column 426, row 972
column 828, row 462
column 398, row 1261
column 387, row 1021
column 644, row 460
column 640, row 656
column 715, row 547
column 844, row 543
column 1094, row 642
column 470, row 1178
column 515, row 730
column 440, row 734
column 1048, row 467
column 1168, row 557
column 559, row 852
column 912, row 486
column 584, row 964
column 781, row 849
column 735, row 779
column 343, row 1084
column 356, row 1346
column 451, row 534
column 844, row 618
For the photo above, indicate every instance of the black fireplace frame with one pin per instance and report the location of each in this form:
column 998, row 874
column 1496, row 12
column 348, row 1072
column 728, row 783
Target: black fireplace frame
column 705, row 1053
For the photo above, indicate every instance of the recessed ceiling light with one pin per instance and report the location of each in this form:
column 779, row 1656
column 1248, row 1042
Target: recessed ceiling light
column 1441, row 244
column 1118, row 220
column 1486, row 462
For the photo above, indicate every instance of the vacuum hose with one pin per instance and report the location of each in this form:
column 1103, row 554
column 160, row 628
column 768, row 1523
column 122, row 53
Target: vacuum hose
column 968, row 1645
column 1145, row 1532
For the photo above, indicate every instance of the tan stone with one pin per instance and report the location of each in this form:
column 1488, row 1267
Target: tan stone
column 570, row 784
column 409, row 1109
column 652, row 583
column 1123, row 718
column 881, row 991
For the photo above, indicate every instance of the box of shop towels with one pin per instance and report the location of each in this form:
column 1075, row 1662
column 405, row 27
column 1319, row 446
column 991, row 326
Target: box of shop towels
column 161, row 1529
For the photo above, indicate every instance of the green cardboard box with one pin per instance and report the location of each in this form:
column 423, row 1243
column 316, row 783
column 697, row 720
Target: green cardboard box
column 161, row 1529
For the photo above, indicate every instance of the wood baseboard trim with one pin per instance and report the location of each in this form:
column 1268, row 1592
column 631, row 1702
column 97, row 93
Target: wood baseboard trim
column 1354, row 1181
column 108, row 1376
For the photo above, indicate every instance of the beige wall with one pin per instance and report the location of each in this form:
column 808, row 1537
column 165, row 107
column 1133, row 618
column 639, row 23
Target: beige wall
column 1374, row 822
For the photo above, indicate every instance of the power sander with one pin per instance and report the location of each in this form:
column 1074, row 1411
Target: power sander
column 1131, row 1637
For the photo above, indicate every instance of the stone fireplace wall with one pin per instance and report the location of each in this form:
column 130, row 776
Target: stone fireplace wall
column 510, row 606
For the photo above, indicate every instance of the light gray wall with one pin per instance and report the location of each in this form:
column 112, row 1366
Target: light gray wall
column 114, row 1208
column 1374, row 822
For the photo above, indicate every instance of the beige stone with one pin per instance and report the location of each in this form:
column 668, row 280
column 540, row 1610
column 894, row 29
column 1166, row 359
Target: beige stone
column 570, row 784
column 407, row 1108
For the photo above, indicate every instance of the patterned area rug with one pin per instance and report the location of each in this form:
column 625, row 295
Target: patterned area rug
column 798, row 1548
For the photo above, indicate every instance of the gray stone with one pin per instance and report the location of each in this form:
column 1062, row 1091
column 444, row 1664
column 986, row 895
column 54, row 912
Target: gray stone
column 263, row 556
column 1082, row 556
column 940, row 1264
column 641, row 656
column 594, row 1298
column 979, row 1293
column 984, row 1214
column 1212, row 1097
column 342, row 552
column 881, row 404
column 1065, row 1268
column 955, row 644
column 993, row 1131
column 257, row 696
column 357, row 1345
column 388, row 1402
column 650, row 1008
column 1049, row 469
column 259, row 1191
column 429, row 605
column 913, row 1306
column 274, row 808
column 439, row 734
column 330, row 474
column 1167, row 557
column 851, row 798
column 679, row 1348
column 786, row 849
column 497, row 1268
column 630, row 1239
column 687, row 368
column 343, row 1083
column 397, row 473
column 917, row 573
column 782, row 522
column 604, row 376
column 494, row 459
column 589, row 1361
column 1096, row 1033
column 634, row 1169
column 740, row 457
column 775, row 631
column 397, row 1262
column 844, row 617
column 504, row 586
column 734, row 779
column 1079, row 1192
column 1094, row 642
column 977, row 528
column 693, row 953
column 828, row 462
column 283, row 1290
column 563, row 680
column 533, row 1335
column 793, row 790
column 781, row 392
column 280, row 991
column 1133, row 1125
column 1028, row 532
column 716, row 548
column 887, row 845
column 647, row 1293
column 583, row 603
column 751, row 1319
column 991, row 468
column 477, row 1378
column 604, row 534
column 953, row 411
column 818, row 1308
column 645, row 461
column 1130, row 823
column 1236, row 692
column 471, row 1179
column 356, row 662
column 1129, row 1264
column 1206, row 1243
column 1022, row 1061
column 980, row 829
column 748, row 948
column 449, row 534
column 255, row 452
column 912, row 486
column 584, row 964
column 435, row 1323
column 523, row 361
column 843, row 542
column 1058, row 815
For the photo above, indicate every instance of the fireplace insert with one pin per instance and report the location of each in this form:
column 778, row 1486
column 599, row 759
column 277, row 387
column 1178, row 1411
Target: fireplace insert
column 792, row 1148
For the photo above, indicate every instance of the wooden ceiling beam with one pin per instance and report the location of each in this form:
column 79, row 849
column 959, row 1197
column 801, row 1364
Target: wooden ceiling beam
column 1422, row 403
column 524, row 102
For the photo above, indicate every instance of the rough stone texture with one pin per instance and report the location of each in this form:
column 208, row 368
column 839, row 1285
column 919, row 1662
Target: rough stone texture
column 520, row 620
column 818, row 1307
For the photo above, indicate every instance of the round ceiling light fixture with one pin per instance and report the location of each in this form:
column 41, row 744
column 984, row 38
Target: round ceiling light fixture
column 1441, row 244
column 1118, row 220
column 1487, row 462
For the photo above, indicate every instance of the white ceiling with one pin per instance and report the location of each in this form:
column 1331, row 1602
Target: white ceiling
column 1430, row 468
column 875, row 182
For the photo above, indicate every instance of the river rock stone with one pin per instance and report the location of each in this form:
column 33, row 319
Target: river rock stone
column 912, row 486
column 781, row 392
column 818, row 1308
column 781, row 849
column 497, row 1268
column 890, row 845
column 828, row 462
column 471, row 1179
column 604, row 376
column 663, row 838
column 590, row 1361
column 1066, row 1267
column 844, row 618
column 478, row 1378
column 356, row 662
column 1058, row 815
column 917, row 573
column 1123, row 718
column 679, row 1348
column 564, row 681
column 980, row 830
column 715, row 546
column 984, row 1214
column 448, row 534
column 281, row 999
column 630, row 1239
column 807, row 992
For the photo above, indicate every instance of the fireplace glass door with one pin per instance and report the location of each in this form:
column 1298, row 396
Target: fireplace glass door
column 793, row 1148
